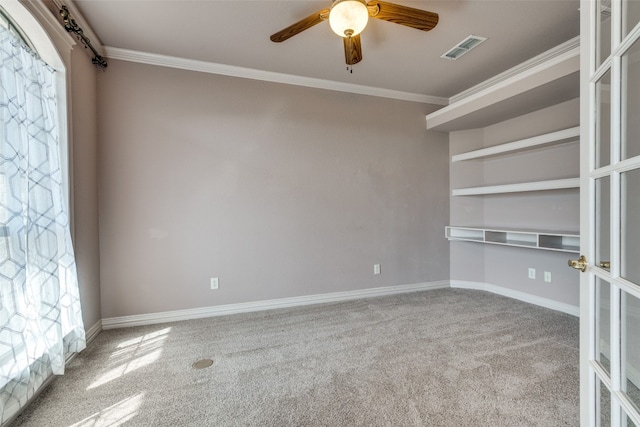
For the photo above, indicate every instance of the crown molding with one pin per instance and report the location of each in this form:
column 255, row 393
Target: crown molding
column 560, row 53
column 268, row 76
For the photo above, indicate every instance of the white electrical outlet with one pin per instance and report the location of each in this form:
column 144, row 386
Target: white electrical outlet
column 532, row 273
column 214, row 283
column 376, row 268
column 547, row 276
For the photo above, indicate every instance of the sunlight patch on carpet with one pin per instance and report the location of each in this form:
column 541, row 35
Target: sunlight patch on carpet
column 132, row 355
column 115, row 415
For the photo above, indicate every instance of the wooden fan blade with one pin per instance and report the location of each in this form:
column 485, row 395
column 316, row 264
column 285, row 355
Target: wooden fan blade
column 352, row 49
column 300, row 26
column 403, row 15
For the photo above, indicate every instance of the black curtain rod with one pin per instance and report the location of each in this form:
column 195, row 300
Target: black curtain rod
column 71, row 26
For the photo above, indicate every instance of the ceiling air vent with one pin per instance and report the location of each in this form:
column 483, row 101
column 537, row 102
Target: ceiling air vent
column 463, row 47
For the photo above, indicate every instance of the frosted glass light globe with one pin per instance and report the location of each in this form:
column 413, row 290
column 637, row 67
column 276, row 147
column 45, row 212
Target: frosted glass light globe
column 348, row 17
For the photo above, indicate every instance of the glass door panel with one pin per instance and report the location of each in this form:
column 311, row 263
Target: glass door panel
column 630, row 15
column 631, row 101
column 604, row 31
column 629, row 226
column 603, row 121
column 603, row 221
column 610, row 216
column 604, row 405
column 604, row 324
column 631, row 347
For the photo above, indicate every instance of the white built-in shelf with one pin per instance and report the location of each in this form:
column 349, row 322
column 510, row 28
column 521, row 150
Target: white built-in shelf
column 545, row 80
column 556, row 184
column 562, row 242
column 553, row 138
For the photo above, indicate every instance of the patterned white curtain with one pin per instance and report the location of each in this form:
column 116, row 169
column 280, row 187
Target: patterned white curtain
column 40, row 317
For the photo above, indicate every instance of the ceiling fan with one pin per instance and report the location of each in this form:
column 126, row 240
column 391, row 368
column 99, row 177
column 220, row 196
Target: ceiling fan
column 349, row 17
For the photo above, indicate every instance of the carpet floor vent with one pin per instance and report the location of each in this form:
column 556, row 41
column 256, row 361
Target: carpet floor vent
column 201, row 364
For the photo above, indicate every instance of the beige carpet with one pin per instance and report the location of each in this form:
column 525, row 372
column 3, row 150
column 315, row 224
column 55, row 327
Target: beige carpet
column 445, row 357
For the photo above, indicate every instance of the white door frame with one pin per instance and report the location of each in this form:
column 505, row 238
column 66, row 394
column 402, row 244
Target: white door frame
column 591, row 69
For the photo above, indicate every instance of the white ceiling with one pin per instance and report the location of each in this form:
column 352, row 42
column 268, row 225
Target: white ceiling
column 394, row 57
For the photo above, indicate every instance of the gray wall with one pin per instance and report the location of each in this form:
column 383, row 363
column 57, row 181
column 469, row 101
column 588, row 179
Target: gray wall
column 549, row 211
column 84, row 143
column 278, row 190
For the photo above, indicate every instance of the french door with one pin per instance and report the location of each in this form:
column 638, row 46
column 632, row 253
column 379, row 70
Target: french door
column 610, row 213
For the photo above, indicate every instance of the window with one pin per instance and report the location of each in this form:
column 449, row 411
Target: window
column 40, row 314
column 7, row 23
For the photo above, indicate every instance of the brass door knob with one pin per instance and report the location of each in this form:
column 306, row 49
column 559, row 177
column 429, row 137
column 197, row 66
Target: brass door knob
column 579, row 264
column 605, row 264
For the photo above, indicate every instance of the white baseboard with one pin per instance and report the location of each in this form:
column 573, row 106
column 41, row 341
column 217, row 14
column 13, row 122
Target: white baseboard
column 522, row 296
column 221, row 310
column 93, row 332
column 89, row 335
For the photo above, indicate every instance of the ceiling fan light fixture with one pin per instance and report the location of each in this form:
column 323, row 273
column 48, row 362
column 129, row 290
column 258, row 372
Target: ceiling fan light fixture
column 348, row 17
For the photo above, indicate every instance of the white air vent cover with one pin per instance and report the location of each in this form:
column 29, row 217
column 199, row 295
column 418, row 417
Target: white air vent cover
column 463, row 47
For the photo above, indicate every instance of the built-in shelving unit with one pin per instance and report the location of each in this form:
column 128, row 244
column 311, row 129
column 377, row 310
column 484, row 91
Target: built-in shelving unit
column 563, row 242
column 547, row 79
column 563, row 136
column 552, row 241
column 513, row 178
column 556, row 184
column 554, row 138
